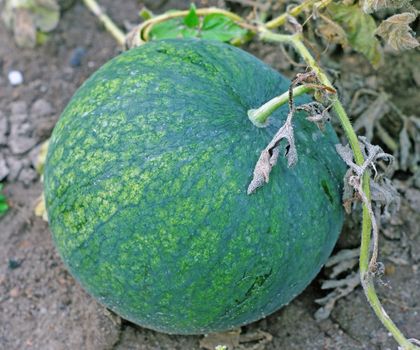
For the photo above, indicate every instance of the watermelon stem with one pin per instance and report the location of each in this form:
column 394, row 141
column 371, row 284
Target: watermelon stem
column 259, row 116
column 367, row 264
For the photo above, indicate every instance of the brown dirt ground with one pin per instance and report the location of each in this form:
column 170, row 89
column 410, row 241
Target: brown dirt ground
column 41, row 306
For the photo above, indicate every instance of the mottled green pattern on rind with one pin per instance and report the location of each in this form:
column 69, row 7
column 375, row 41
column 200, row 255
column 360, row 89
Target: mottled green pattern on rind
column 146, row 182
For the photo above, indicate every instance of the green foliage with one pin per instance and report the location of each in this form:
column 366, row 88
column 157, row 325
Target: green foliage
column 219, row 27
column 191, row 20
column 213, row 27
column 145, row 13
column 3, row 202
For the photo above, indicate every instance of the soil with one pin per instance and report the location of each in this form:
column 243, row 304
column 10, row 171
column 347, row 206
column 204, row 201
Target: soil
column 42, row 307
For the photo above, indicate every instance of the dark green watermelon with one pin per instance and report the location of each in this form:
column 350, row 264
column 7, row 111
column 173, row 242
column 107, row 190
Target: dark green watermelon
column 146, row 189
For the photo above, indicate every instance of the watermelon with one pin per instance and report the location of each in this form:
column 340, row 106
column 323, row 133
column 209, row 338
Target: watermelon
column 146, row 190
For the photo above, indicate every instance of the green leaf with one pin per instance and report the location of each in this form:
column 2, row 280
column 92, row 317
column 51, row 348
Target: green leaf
column 41, row 38
column 167, row 30
column 214, row 27
column 3, row 203
column 3, row 208
column 145, row 13
column 191, row 20
column 221, row 28
column 190, row 33
column 173, row 28
column 360, row 29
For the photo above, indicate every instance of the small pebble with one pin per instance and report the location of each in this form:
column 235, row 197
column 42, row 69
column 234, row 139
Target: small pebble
column 15, row 77
column 77, row 57
column 14, row 293
column 4, row 169
column 41, row 108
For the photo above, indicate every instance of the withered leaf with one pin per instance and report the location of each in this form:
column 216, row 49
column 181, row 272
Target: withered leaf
column 341, row 288
column 317, row 114
column 269, row 156
column 375, row 5
column 397, row 32
column 230, row 340
column 332, row 31
column 385, row 196
column 405, row 146
column 24, row 28
column 371, row 116
column 359, row 28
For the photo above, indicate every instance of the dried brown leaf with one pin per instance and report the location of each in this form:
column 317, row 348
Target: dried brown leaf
column 397, row 32
column 370, row 118
column 332, row 31
column 375, row 5
column 40, row 209
column 269, row 156
column 372, row 154
column 405, row 146
column 408, row 153
column 385, row 197
column 24, row 28
column 342, row 288
column 228, row 339
column 318, row 114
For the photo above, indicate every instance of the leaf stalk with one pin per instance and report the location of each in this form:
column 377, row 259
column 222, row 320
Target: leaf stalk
column 109, row 25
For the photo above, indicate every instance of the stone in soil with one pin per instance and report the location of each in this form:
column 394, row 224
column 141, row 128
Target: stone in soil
column 4, row 169
column 15, row 78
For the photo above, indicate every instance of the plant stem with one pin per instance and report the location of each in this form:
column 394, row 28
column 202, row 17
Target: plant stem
column 366, row 275
column 295, row 11
column 109, row 25
column 260, row 115
column 296, row 41
column 375, row 303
